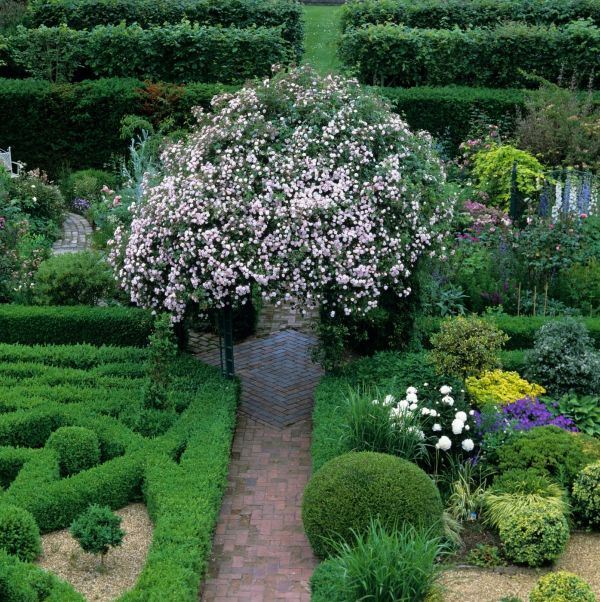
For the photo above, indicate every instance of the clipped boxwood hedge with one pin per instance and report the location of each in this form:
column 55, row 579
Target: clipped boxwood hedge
column 180, row 475
column 446, row 14
column 30, row 325
column 520, row 329
column 183, row 52
column 85, row 14
column 395, row 55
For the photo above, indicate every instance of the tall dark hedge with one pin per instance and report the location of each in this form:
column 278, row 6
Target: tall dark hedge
column 85, row 14
column 59, row 325
column 177, row 53
column 395, row 55
column 43, row 121
column 77, row 125
column 437, row 14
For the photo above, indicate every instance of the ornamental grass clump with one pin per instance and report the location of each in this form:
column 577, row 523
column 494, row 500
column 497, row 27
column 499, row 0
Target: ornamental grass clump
column 308, row 187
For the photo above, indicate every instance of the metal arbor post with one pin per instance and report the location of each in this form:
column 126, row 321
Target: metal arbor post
column 226, row 342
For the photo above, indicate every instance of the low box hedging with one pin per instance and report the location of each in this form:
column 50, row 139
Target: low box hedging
column 177, row 53
column 25, row 582
column 520, row 329
column 436, row 14
column 395, row 55
column 85, row 14
column 180, row 475
column 122, row 326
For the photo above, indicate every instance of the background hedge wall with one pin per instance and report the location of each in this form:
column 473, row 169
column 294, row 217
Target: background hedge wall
column 176, row 53
column 85, row 14
column 500, row 57
column 520, row 329
column 42, row 121
column 121, row 326
column 438, row 14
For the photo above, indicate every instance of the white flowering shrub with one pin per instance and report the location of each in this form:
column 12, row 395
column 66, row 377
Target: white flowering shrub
column 426, row 429
column 309, row 187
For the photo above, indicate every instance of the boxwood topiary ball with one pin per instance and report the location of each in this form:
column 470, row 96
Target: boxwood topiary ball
column 77, row 448
column 19, row 533
column 562, row 586
column 350, row 489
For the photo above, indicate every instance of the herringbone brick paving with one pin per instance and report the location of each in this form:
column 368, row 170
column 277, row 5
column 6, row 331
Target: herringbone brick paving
column 260, row 552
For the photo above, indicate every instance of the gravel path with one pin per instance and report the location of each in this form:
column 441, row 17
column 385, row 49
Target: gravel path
column 63, row 556
column 582, row 557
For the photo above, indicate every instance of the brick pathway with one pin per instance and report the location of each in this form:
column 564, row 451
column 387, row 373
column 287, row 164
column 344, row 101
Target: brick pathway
column 260, row 552
column 76, row 235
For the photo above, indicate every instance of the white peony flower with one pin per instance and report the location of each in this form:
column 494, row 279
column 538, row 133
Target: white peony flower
column 425, row 384
column 461, row 416
column 436, row 427
column 412, row 398
column 412, row 407
column 389, row 400
column 448, row 400
column 443, row 443
column 445, row 390
column 433, row 413
column 457, row 426
column 467, row 427
column 471, row 412
column 375, row 402
column 468, row 445
column 411, row 391
column 403, row 405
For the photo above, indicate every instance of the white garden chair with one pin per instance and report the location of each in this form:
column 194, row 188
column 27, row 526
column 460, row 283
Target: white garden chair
column 13, row 167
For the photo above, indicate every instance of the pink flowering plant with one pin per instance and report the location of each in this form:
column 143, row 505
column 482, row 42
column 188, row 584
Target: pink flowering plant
column 308, row 187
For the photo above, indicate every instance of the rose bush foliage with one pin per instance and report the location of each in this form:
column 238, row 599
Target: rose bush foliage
column 306, row 186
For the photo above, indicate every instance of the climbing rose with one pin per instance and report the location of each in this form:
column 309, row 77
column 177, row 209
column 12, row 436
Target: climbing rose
column 308, row 187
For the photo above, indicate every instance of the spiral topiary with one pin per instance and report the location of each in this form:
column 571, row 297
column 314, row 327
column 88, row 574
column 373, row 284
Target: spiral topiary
column 349, row 490
column 19, row 533
column 77, row 448
column 561, row 587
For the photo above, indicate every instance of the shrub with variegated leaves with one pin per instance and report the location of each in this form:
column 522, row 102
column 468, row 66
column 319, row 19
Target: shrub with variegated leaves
column 309, row 187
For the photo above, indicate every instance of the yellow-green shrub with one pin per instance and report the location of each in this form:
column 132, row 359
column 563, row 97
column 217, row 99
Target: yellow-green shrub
column 499, row 387
column 561, row 587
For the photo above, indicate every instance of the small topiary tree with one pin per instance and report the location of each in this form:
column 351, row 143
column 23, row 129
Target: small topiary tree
column 19, row 533
column 77, row 448
column 162, row 352
column 97, row 530
column 586, row 495
column 347, row 492
column 561, row 587
column 563, row 358
column 466, row 346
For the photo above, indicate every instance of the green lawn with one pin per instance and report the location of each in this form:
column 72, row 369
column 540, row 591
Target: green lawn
column 322, row 31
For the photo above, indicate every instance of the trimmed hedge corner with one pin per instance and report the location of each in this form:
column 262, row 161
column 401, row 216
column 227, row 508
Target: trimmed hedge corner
column 120, row 326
